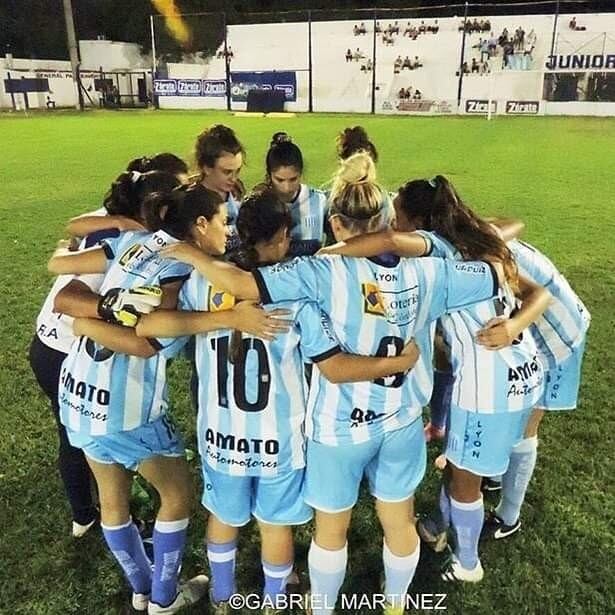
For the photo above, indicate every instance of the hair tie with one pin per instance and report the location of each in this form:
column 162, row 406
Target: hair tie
column 135, row 176
column 432, row 182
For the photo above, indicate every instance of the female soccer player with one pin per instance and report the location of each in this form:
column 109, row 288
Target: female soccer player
column 219, row 156
column 374, row 428
column 113, row 396
column 54, row 334
column 495, row 384
column 252, row 407
column 560, row 337
column 308, row 206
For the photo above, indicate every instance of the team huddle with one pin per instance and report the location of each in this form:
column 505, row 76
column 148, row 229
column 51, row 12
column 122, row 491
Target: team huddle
column 320, row 326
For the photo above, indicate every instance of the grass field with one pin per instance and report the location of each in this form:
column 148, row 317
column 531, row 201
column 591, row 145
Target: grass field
column 554, row 173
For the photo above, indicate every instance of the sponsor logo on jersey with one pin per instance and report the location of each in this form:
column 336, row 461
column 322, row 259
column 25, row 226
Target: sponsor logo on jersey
column 480, row 106
column 218, row 300
column 373, row 302
column 522, row 107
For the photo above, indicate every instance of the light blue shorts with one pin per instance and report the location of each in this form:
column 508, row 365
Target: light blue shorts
column 482, row 443
column 129, row 448
column 562, row 383
column 277, row 500
column 393, row 463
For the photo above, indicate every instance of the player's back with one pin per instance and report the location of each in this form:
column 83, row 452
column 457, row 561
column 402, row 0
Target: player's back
column 562, row 326
column 102, row 391
column 488, row 380
column 252, row 398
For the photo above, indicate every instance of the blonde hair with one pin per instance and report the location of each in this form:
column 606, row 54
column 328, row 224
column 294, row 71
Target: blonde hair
column 356, row 197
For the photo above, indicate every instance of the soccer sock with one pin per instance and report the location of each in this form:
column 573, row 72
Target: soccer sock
column 439, row 403
column 275, row 579
column 467, row 520
column 398, row 574
column 445, row 509
column 169, row 539
column 327, row 572
column 127, row 547
column 517, row 479
column 222, row 566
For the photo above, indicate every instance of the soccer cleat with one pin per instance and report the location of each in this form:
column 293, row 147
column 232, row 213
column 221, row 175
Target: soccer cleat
column 80, row 530
column 431, row 535
column 490, row 485
column 189, row 592
column 494, row 527
column 140, row 602
column 454, row 571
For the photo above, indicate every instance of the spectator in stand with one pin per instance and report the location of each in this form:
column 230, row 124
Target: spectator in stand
column 417, row 95
column 367, row 67
column 349, row 56
column 519, row 39
column 50, row 103
column 464, row 69
column 483, row 47
column 397, row 65
column 475, row 66
column 407, row 63
column 492, row 45
column 408, row 29
column 378, row 28
column 484, row 68
column 395, row 28
column 476, row 27
column 362, row 28
column 436, row 27
column 355, row 30
column 408, row 92
column 487, row 25
column 417, row 63
column 503, row 38
column 573, row 23
column 401, row 94
column 422, row 28
column 508, row 50
column 358, row 55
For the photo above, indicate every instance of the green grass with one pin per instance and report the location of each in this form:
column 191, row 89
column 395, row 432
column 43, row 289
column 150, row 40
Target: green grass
column 554, row 173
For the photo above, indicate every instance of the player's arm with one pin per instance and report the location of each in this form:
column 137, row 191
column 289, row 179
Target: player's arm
column 373, row 244
column 114, row 337
column 83, row 225
column 342, row 367
column 93, row 260
column 507, row 228
column 78, row 300
column 226, row 276
column 499, row 333
column 245, row 316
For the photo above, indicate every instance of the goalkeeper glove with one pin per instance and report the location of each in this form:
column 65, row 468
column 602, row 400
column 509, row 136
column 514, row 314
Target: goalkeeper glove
column 123, row 306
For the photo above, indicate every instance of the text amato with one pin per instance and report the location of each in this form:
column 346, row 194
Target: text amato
column 85, row 391
column 242, row 445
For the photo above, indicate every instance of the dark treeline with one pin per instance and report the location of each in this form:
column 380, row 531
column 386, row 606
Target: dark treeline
column 35, row 28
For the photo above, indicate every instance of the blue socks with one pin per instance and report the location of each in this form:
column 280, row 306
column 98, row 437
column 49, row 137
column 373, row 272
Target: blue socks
column 275, row 579
column 127, row 547
column 169, row 540
column 517, row 479
column 327, row 572
column 467, row 521
column 222, row 566
column 398, row 574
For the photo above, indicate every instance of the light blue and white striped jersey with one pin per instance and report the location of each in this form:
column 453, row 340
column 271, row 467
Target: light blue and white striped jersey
column 488, row 381
column 251, row 413
column 375, row 306
column 308, row 212
column 101, row 391
column 563, row 325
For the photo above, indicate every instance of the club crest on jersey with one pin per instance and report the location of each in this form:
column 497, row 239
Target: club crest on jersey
column 218, row 300
column 373, row 303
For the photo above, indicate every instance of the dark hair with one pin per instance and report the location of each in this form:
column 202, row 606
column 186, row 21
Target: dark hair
column 261, row 216
column 283, row 153
column 351, row 140
column 176, row 212
column 213, row 142
column 127, row 193
column 167, row 162
column 441, row 209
